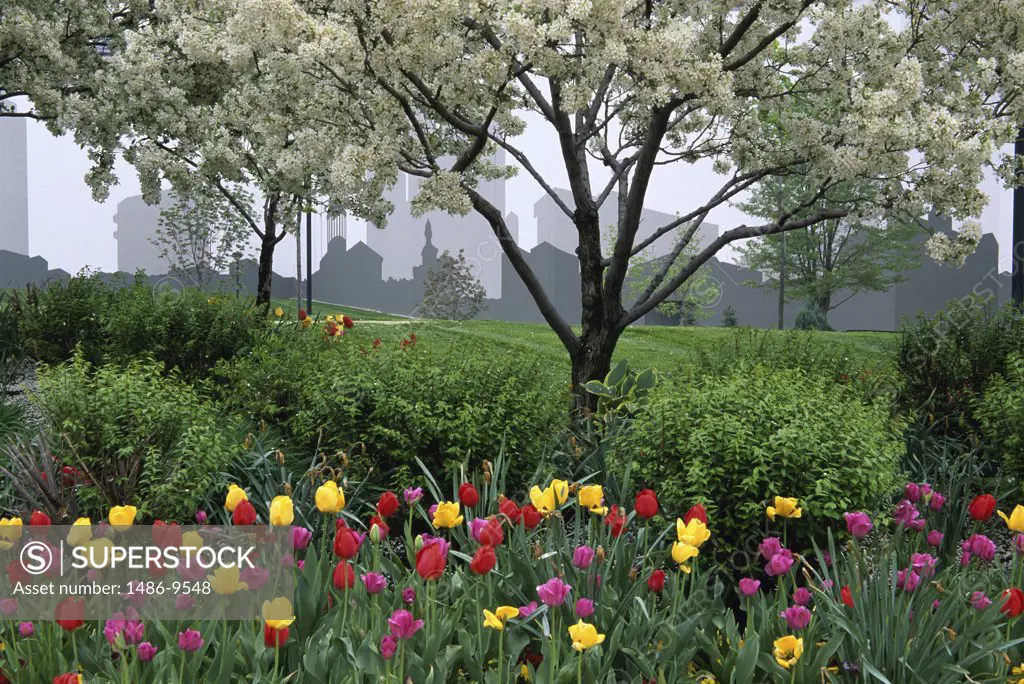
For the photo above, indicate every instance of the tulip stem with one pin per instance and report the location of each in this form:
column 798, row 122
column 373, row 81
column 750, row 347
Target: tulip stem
column 277, row 658
column 579, row 670
column 501, row 656
column 401, row 657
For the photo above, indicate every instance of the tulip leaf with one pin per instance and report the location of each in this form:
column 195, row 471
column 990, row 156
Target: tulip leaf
column 746, row 660
column 643, row 607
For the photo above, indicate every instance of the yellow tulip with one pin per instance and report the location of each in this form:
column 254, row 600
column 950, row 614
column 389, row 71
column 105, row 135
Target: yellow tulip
column 10, row 532
column 279, row 312
column 683, row 552
column 694, row 533
column 447, row 514
column 329, row 498
column 278, row 613
column 329, row 319
column 99, row 552
column 499, row 617
column 122, row 517
column 592, row 497
column 191, row 540
column 1015, row 521
column 236, row 495
column 785, row 507
column 584, row 636
column 561, row 489
column 226, row 580
column 788, row 650
column 282, row 511
column 81, row 532
column 543, row 499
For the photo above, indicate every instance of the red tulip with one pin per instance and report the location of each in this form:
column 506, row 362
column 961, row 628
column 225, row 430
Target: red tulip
column 274, row 638
column 696, row 512
column 646, row 504
column 346, row 543
column 509, row 509
column 16, row 572
column 245, row 514
column 531, row 517
column 1013, row 606
column 387, row 504
column 344, row 576
column 347, row 322
column 491, row 534
column 68, row 678
column 168, row 536
column 468, row 495
column 656, row 582
column 483, row 560
column 616, row 520
column 430, row 562
column 983, row 506
column 39, row 519
column 70, row 614
column 847, row 596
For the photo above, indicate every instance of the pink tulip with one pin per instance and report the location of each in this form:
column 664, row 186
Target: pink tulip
column 584, row 608
column 749, row 586
column 858, row 524
column 553, row 592
column 404, row 625
column 797, row 617
column 582, row 557
column 374, row 582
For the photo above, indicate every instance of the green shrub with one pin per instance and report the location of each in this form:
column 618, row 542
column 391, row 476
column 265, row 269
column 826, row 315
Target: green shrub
column 11, row 349
column 1000, row 414
column 945, row 362
column 812, row 318
column 187, row 330
column 736, row 441
column 144, row 437
column 399, row 401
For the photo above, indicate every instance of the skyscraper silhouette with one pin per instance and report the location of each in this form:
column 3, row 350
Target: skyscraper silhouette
column 14, row 185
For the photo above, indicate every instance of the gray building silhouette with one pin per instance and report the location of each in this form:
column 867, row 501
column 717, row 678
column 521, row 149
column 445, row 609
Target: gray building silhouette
column 14, row 185
column 137, row 225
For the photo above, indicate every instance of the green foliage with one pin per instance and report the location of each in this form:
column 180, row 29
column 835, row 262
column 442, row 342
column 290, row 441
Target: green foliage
column 729, row 317
column 622, row 390
column 12, row 419
column 1000, row 415
column 396, row 401
column 186, row 330
column 945, row 362
column 143, row 437
column 11, row 349
column 734, row 442
column 452, row 291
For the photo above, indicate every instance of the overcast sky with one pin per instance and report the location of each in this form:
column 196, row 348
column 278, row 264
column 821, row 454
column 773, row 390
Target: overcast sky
column 72, row 231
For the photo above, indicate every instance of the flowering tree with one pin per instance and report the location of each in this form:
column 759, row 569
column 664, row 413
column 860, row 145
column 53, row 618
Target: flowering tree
column 913, row 97
column 53, row 49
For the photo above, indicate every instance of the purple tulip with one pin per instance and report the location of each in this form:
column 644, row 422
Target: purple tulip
column 797, row 617
column 802, row 596
column 527, row 610
column 923, row 564
column 190, row 640
column 553, row 592
column 935, row 538
column 582, row 557
column 475, row 527
column 254, row 577
column 780, row 563
column 184, row 602
column 443, row 544
column 409, row 595
column 404, row 625
column 412, row 495
column 1018, row 544
column 979, row 601
column 911, row 492
column 906, row 514
column 200, row 518
column 8, row 606
column 978, row 545
column 769, row 547
column 858, row 524
column 907, row 580
column 146, row 651
column 374, row 582
column 749, row 586
column 937, row 501
column 26, row 629
column 584, row 608
column 431, row 511
column 301, row 538
column 388, row 646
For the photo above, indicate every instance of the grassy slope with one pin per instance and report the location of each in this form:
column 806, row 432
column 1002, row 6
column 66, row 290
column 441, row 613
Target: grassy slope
column 323, row 309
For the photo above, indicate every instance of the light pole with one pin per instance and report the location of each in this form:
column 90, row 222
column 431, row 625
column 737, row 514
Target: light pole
column 1017, row 272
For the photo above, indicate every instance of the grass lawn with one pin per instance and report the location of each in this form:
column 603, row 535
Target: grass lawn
column 665, row 348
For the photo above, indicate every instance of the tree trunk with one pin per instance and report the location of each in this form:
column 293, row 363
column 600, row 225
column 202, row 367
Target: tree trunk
column 591, row 361
column 268, row 241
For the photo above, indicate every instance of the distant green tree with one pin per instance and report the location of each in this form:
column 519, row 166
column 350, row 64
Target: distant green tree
column 451, row 290
column 729, row 317
column 844, row 255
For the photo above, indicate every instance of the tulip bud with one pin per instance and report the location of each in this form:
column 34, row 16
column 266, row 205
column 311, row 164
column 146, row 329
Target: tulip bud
column 487, row 476
column 573, row 488
column 280, row 457
column 287, row 489
column 375, row 534
column 537, row 551
column 419, row 542
column 600, row 554
column 247, row 442
column 263, row 426
column 634, row 572
column 344, row 460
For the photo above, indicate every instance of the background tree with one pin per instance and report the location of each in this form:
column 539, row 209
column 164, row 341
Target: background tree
column 829, row 262
column 914, row 97
column 201, row 236
column 451, row 290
